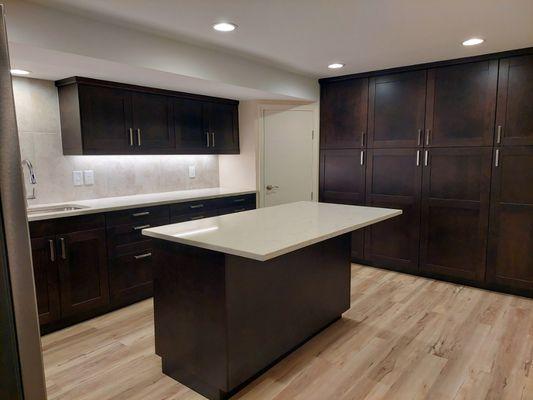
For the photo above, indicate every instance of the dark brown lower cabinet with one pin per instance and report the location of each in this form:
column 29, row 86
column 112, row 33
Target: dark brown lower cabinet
column 342, row 180
column 455, row 209
column 510, row 255
column 393, row 181
column 131, row 277
column 46, row 278
column 83, row 271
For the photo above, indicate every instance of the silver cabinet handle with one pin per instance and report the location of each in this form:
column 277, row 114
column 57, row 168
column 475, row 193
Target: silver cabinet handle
column 499, row 135
column 140, row 256
column 238, row 200
column 497, row 159
column 140, row 214
column 63, row 248
column 131, row 136
column 207, row 135
column 428, row 135
column 52, row 250
column 196, row 206
column 362, row 157
column 426, row 157
column 139, row 137
column 239, row 209
column 363, row 139
column 418, row 158
column 138, row 228
column 419, row 140
column 213, row 139
column 197, row 217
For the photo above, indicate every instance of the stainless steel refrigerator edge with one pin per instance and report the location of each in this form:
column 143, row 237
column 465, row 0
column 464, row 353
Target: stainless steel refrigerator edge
column 16, row 236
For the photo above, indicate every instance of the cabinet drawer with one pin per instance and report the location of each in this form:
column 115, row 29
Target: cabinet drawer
column 131, row 276
column 58, row 226
column 141, row 216
column 244, row 200
column 192, row 216
column 121, row 238
column 196, row 207
column 236, row 209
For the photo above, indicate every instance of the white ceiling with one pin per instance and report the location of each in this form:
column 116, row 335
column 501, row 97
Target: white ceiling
column 304, row 36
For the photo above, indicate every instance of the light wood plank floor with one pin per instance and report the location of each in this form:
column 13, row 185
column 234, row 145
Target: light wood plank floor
column 404, row 337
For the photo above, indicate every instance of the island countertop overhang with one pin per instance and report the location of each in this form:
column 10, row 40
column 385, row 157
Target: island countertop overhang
column 265, row 233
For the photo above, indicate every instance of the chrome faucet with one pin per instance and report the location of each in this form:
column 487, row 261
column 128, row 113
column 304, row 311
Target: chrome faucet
column 33, row 180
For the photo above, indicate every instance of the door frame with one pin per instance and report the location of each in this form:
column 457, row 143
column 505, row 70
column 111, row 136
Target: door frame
column 289, row 106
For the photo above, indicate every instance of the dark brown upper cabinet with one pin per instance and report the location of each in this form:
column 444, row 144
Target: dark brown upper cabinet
column 152, row 122
column 461, row 104
column 397, row 110
column 514, row 117
column 343, row 114
column 100, row 117
column 510, row 255
column 455, row 210
column 393, row 180
column 223, row 123
column 102, row 114
column 191, row 126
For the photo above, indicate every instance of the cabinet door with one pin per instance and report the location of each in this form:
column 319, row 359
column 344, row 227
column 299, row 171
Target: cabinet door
column 510, row 256
column 461, row 104
column 343, row 114
column 131, row 277
column 191, row 126
column 152, row 123
column 224, row 128
column 393, row 181
column 83, row 271
column 106, row 120
column 514, row 116
column 342, row 180
column 46, row 279
column 397, row 109
column 455, row 210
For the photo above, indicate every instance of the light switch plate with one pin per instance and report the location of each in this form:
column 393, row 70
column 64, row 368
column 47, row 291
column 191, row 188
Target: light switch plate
column 88, row 177
column 77, row 178
column 192, row 171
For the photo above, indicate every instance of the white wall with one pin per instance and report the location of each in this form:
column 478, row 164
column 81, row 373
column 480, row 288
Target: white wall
column 37, row 110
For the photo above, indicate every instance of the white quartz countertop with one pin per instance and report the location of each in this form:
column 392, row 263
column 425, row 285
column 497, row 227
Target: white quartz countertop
column 269, row 232
column 35, row 213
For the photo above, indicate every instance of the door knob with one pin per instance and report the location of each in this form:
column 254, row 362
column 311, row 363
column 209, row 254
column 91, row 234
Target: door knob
column 270, row 187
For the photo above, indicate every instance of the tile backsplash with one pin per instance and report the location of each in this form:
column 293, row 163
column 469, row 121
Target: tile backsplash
column 37, row 109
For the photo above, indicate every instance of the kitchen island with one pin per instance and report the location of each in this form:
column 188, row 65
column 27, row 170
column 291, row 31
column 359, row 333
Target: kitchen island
column 233, row 294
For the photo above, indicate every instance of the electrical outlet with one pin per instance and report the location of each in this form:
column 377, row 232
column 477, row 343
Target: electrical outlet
column 192, row 171
column 88, row 177
column 77, row 178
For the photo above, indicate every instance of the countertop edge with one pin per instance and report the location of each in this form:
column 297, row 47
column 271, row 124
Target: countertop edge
column 98, row 210
column 270, row 255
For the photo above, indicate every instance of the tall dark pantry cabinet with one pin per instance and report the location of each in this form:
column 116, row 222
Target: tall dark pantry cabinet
column 451, row 144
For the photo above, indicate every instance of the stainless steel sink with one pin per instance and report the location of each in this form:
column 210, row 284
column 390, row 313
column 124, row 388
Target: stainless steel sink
column 61, row 208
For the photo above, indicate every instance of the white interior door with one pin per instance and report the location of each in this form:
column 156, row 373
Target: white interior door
column 288, row 156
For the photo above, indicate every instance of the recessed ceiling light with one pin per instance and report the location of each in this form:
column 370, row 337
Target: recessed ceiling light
column 473, row 41
column 335, row 66
column 224, row 27
column 19, row 72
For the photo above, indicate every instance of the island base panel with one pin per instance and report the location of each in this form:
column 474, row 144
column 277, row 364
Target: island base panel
column 220, row 320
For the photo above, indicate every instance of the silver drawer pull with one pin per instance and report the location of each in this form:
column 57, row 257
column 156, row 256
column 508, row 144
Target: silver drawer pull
column 145, row 255
column 239, row 200
column 138, row 228
column 196, row 206
column 63, row 248
column 140, row 214
column 240, row 209
column 198, row 217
